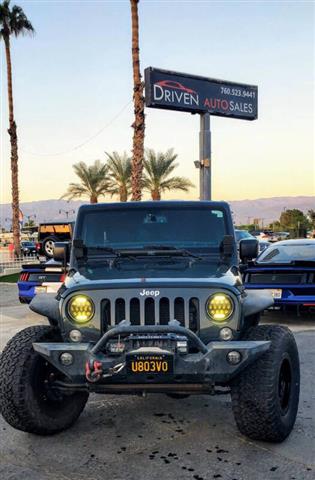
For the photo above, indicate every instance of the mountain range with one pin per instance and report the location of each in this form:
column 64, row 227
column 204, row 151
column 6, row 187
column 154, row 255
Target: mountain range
column 244, row 211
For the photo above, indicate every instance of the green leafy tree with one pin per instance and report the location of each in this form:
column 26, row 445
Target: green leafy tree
column 94, row 181
column 158, row 169
column 119, row 174
column 293, row 218
column 247, row 226
column 29, row 223
column 295, row 222
column 275, row 225
column 311, row 216
column 13, row 22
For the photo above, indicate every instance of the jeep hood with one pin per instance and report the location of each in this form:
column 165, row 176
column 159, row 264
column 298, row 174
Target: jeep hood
column 222, row 278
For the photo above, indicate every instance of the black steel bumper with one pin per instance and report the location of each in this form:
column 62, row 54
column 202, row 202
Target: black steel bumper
column 95, row 370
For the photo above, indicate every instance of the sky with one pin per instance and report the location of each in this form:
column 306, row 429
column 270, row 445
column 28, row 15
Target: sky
column 73, row 92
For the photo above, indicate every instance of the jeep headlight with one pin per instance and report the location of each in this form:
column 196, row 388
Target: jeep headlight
column 220, row 307
column 81, row 309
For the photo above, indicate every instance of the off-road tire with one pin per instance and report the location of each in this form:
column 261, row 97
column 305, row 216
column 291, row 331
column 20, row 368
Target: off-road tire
column 24, row 403
column 251, row 321
column 265, row 395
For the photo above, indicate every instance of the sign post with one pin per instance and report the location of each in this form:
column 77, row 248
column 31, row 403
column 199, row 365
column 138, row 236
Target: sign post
column 205, row 157
column 206, row 96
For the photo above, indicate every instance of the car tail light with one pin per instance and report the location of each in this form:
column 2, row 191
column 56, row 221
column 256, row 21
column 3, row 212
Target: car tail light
column 24, row 277
column 63, row 277
column 37, row 246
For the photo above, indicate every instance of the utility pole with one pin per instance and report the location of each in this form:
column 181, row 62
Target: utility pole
column 205, row 157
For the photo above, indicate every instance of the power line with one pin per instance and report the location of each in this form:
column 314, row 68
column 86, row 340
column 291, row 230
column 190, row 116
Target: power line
column 80, row 145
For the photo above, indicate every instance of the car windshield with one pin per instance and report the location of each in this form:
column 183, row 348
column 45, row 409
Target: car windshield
column 288, row 253
column 144, row 228
column 241, row 234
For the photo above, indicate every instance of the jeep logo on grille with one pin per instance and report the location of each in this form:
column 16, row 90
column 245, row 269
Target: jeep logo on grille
column 150, row 293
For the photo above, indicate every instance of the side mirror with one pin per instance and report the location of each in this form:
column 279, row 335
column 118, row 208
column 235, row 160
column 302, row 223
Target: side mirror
column 248, row 249
column 62, row 252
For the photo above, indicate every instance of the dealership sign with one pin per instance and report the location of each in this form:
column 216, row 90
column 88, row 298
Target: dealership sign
column 190, row 93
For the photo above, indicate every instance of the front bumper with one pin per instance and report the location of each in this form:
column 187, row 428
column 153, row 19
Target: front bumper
column 193, row 372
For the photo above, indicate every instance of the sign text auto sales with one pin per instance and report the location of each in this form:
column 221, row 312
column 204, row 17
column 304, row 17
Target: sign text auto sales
column 178, row 91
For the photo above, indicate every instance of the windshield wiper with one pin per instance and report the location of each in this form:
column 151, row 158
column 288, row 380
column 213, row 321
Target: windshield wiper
column 104, row 249
column 149, row 250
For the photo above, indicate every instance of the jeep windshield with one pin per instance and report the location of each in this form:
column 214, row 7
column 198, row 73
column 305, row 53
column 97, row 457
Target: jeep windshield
column 164, row 230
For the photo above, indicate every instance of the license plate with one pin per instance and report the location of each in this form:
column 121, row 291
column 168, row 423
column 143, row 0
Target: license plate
column 149, row 364
column 40, row 289
column 277, row 293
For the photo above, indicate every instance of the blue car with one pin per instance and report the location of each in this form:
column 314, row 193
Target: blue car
column 286, row 268
column 39, row 278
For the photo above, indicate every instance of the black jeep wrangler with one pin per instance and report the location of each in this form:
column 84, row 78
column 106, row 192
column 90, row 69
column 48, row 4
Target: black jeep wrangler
column 153, row 303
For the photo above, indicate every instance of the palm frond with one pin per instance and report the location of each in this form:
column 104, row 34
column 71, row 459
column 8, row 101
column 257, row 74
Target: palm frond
column 119, row 173
column 94, row 180
column 14, row 21
column 158, row 167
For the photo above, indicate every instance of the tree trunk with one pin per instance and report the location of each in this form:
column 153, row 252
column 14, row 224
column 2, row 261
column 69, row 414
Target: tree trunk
column 138, row 99
column 93, row 198
column 123, row 194
column 156, row 194
column 14, row 154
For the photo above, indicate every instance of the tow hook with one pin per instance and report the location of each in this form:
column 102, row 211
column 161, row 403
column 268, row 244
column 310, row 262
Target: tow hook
column 94, row 371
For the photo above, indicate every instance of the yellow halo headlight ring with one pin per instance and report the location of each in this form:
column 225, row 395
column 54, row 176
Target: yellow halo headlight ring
column 220, row 307
column 81, row 309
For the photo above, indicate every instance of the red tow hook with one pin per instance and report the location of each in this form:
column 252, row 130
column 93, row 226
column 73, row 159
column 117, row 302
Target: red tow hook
column 93, row 370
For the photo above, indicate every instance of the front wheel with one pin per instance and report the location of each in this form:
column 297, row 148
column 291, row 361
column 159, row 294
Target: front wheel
column 265, row 396
column 27, row 400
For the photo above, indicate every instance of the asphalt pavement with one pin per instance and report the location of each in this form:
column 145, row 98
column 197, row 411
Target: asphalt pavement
column 156, row 437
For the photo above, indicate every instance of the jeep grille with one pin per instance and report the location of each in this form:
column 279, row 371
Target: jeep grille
column 151, row 311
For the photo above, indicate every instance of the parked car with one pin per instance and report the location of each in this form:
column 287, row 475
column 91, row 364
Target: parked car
column 283, row 235
column 310, row 234
column 287, row 268
column 50, row 233
column 154, row 304
column 266, row 235
column 243, row 234
column 39, row 278
column 28, row 248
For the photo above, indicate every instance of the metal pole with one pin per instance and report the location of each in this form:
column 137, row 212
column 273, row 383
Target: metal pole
column 205, row 157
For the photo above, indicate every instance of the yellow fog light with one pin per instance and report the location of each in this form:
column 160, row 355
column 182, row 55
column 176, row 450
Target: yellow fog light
column 220, row 307
column 81, row 309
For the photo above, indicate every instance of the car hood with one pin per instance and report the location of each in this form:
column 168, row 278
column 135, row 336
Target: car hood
column 224, row 278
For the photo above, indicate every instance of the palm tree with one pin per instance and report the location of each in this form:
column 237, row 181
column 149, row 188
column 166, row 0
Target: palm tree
column 13, row 21
column 158, row 168
column 119, row 170
column 94, row 181
column 138, row 99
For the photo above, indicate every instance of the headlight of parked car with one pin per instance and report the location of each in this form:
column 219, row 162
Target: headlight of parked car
column 220, row 307
column 81, row 309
